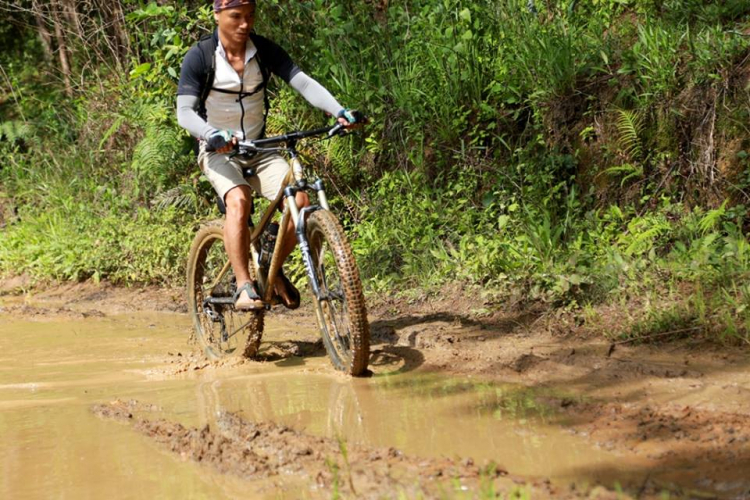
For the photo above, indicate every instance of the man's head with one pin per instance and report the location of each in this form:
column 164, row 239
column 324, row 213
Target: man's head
column 220, row 5
column 235, row 18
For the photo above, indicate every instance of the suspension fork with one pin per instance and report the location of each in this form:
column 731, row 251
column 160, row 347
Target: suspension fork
column 299, row 217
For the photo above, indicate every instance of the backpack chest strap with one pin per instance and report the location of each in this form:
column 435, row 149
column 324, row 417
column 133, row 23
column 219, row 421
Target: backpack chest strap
column 241, row 93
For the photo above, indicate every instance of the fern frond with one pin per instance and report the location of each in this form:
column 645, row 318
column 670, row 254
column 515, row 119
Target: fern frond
column 155, row 158
column 627, row 171
column 13, row 131
column 183, row 197
column 643, row 235
column 712, row 218
column 630, row 128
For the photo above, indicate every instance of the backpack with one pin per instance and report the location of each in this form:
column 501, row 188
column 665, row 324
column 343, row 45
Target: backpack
column 207, row 46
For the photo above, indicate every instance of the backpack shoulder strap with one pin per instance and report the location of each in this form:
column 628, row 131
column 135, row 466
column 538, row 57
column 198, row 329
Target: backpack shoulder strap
column 207, row 46
column 265, row 72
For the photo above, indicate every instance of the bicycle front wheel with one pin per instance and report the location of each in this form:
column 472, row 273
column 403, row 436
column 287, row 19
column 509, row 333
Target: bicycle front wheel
column 341, row 311
column 220, row 329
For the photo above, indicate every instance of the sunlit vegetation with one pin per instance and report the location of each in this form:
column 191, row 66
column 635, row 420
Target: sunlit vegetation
column 573, row 154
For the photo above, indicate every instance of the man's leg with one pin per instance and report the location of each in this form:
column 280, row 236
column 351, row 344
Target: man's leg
column 290, row 238
column 290, row 241
column 237, row 241
column 272, row 170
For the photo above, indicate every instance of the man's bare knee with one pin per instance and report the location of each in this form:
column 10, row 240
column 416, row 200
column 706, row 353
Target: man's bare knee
column 302, row 199
column 238, row 202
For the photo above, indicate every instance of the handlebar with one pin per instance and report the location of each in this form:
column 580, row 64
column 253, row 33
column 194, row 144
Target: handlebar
column 262, row 145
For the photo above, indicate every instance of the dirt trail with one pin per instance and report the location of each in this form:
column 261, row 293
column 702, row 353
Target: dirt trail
column 262, row 450
column 676, row 414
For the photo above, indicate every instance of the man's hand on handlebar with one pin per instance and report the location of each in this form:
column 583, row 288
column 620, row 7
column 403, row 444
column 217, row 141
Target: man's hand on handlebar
column 221, row 141
column 351, row 118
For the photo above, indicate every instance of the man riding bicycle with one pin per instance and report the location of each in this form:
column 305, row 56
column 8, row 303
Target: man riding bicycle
column 221, row 99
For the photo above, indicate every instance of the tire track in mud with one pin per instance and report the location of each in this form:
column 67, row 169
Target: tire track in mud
column 254, row 451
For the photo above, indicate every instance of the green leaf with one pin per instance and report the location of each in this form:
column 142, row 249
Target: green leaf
column 112, row 129
column 630, row 127
column 712, row 218
column 575, row 279
column 465, row 15
column 140, row 70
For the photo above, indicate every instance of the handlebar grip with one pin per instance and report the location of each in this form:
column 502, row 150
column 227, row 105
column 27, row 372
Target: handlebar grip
column 360, row 117
column 220, row 139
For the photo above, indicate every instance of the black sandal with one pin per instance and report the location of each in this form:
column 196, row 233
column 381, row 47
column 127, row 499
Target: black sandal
column 291, row 291
column 255, row 300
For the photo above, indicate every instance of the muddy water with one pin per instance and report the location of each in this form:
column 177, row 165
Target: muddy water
column 51, row 445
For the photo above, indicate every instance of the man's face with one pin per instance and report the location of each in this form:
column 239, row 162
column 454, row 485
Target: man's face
column 236, row 24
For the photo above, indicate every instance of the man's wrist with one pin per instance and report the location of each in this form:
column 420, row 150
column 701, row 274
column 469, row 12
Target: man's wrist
column 346, row 114
column 209, row 133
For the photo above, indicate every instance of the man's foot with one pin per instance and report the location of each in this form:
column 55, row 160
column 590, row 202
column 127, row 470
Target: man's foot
column 287, row 293
column 246, row 298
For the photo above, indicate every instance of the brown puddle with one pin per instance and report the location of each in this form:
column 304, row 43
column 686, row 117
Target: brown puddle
column 52, row 445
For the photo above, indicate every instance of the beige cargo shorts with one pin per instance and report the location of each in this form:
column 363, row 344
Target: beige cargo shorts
column 224, row 174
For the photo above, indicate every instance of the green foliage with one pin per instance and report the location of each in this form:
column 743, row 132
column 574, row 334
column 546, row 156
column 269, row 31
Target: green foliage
column 487, row 160
column 165, row 33
column 74, row 244
column 13, row 131
column 630, row 127
column 161, row 158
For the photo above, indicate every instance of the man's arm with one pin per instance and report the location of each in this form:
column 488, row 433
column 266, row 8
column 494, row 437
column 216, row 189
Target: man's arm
column 282, row 65
column 189, row 119
column 189, row 89
column 315, row 94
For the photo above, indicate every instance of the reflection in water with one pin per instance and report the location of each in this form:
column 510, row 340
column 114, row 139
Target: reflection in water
column 424, row 415
column 52, row 446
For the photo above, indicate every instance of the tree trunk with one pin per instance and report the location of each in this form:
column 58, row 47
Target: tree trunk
column 74, row 20
column 62, row 49
column 118, row 23
column 41, row 25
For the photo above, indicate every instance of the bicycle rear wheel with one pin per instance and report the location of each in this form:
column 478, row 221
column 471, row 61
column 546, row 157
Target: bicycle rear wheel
column 342, row 314
column 220, row 329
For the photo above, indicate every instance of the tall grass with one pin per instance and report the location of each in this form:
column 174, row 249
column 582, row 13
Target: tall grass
column 576, row 153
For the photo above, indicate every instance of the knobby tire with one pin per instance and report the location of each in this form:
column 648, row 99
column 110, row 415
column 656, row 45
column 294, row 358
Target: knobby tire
column 343, row 319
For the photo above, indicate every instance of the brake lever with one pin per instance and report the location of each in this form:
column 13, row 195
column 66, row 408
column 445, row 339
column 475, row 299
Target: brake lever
column 243, row 151
column 341, row 129
column 336, row 130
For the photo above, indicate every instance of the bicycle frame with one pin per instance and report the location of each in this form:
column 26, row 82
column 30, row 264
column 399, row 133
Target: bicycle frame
column 295, row 182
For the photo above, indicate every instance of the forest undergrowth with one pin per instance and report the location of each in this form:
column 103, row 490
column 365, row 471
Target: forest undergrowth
column 573, row 155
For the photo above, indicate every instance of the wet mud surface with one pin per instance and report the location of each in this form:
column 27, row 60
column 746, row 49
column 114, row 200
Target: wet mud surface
column 262, row 450
column 461, row 402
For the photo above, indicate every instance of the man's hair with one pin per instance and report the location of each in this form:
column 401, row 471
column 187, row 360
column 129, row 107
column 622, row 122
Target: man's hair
column 220, row 5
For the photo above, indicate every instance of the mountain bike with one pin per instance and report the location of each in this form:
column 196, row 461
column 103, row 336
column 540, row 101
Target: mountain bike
column 331, row 270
